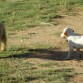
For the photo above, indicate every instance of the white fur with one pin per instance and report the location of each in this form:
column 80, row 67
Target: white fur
column 74, row 41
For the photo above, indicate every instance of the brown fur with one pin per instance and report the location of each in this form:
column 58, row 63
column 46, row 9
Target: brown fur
column 3, row 38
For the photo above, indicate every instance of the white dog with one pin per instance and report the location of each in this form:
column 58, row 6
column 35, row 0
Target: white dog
column 74, row 40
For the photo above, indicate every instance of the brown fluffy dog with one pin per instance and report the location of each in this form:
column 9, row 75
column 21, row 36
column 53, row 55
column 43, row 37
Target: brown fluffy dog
column 3, row 38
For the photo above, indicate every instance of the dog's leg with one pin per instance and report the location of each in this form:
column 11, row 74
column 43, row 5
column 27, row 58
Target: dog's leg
column 69, row 54
column 0, row 45
column 3, row 46
column 3, row 41
column 79, row 54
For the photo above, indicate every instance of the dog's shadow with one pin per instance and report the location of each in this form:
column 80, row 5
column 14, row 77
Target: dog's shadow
column 46, row 54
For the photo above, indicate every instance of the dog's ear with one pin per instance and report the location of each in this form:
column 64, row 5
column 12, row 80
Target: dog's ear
column 65, row 33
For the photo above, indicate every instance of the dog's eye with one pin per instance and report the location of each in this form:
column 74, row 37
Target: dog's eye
column 73, row 30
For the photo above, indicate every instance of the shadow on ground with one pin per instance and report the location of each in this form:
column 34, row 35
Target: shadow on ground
column 46, row 54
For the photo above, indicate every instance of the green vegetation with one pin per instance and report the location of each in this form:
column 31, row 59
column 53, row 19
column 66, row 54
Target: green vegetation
column 19, row 70
column 57, row 34
column 22, row 14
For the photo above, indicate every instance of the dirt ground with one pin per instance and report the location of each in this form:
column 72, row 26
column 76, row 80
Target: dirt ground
column 49, row 34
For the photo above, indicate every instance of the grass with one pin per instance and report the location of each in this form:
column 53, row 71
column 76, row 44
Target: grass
column 32, row 73
column 57, row 34
column 27, row 14
column 20, row 15
column 42, row 46
column 16, row 70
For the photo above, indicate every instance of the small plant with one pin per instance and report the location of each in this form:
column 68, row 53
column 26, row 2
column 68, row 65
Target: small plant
column 57, row 34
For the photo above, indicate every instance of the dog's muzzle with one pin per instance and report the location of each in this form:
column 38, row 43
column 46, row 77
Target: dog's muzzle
column 62, row 35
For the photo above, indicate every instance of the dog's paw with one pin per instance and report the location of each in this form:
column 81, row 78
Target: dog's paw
column 80, row 56
column 67, row 58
